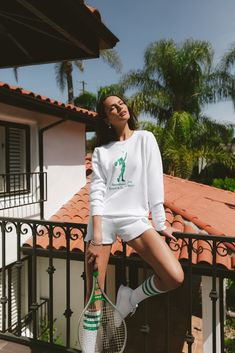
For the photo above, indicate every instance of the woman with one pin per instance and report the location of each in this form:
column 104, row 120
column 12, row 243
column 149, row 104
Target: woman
column 127, row 184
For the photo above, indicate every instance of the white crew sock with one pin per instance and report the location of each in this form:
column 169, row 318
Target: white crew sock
column 91, row 323
column 145, row 290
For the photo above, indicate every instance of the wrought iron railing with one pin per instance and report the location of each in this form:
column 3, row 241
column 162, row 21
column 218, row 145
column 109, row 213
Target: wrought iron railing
column 20, row 189
column 25, row 326
column 52, row 233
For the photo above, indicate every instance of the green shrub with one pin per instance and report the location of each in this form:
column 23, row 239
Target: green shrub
column 229, row 344
column 45, row 336
column 226, row 184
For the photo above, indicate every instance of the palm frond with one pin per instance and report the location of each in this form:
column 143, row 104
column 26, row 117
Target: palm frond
column 79, row 64
column 111, row 57
column 60, row 72
column 15, row 71
column 228, row 60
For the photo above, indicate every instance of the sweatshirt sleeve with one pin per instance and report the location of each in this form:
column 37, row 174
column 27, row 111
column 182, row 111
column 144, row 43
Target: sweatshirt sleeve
column 98, row 185
column 158, row 216
column 155, row 183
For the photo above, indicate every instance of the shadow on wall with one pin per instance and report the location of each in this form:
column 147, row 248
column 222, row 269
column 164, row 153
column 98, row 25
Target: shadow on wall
column 64, row 145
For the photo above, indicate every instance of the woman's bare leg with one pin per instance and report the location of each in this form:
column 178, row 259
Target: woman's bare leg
column 102, row 263
column 154, row 250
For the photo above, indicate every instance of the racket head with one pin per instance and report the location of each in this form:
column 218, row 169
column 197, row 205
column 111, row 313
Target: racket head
column 101, row 327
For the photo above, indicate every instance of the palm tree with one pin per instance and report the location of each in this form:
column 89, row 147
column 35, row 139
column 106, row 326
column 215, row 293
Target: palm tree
column 174, row 78
column 188, row 144
column 226, row 76
column 64, row 70
column 88, row 100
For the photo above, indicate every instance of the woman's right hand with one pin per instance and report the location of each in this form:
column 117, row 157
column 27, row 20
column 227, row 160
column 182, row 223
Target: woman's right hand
column 93, row 253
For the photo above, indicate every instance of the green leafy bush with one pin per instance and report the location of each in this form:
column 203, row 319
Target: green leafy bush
column 45, row 336
column 226, row 184
column 229, row 344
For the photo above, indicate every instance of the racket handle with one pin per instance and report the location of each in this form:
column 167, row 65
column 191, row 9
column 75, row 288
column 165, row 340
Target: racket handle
column 95, row 267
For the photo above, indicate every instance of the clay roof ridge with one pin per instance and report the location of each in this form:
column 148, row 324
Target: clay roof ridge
column 45, row 99
column 196, row 183
column 190, row 217
column 194, row 219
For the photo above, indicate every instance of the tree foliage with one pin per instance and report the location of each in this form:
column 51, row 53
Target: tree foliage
column 187, row 144
column 175, row 82
column 175, row 78
column 86, row 100
column 226, row 184
column 64, row 70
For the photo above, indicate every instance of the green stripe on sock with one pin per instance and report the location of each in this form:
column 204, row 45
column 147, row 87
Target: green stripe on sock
column 145, row 289
column 153, row 288
column 91, row 324
column 89, row 328
column 91, row 321
column 148, row 287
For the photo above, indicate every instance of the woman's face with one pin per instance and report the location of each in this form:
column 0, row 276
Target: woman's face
column 116, row 111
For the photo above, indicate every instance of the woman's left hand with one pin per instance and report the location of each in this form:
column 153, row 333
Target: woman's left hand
column 168, row 232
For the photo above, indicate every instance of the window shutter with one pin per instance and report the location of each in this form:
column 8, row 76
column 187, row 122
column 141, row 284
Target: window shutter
column 17, row 158
column 13, row 295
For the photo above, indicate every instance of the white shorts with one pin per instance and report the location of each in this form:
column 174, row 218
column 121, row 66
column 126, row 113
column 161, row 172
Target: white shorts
column 127, row 228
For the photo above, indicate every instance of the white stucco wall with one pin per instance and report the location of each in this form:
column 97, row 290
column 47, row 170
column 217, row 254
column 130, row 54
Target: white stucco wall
column 207, row 316
column 59, row 299
column 64, row 157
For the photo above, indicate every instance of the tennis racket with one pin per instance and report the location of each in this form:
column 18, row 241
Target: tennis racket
column 101, row 328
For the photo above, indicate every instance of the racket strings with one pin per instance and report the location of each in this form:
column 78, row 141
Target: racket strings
column 102, row 329
column 111, row 332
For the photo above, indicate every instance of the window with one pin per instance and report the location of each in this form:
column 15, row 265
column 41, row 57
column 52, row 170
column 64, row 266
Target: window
column 14, row 157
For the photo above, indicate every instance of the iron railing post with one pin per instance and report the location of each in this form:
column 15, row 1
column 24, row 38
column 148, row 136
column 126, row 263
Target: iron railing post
column 4, row 298
column 68, row 312
column 9, row 275
column 214, row 296
column 18, row 266
column 50, row 270
column 34, row 304
column 189, row 335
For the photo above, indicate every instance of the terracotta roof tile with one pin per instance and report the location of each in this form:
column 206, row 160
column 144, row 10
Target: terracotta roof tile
column 190, row 208
column 204, row 251
column 94, row 11
column 47, row 100
column 210, row 208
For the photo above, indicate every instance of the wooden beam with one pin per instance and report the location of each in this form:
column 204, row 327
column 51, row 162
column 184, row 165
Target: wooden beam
column 55, row 26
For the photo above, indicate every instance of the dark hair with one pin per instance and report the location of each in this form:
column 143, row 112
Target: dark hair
column 104, row 133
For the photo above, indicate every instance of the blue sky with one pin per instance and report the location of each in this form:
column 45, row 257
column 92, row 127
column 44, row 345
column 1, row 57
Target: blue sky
column 137, row 24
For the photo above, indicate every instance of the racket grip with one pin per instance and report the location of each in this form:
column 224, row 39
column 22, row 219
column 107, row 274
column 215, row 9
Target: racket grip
column 95, row 267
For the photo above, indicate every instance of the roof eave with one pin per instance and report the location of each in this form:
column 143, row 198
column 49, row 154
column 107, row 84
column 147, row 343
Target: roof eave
column 29, row 102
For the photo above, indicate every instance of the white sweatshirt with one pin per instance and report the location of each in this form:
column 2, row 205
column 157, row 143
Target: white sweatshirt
column 127, row 179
